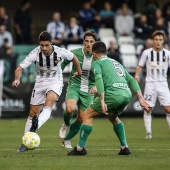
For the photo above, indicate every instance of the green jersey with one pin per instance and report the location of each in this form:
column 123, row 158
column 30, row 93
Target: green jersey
column 86, row 81
column 113, row 77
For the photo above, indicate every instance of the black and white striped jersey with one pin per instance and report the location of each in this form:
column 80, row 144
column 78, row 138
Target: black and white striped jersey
column 157, row 64
column 47, row 67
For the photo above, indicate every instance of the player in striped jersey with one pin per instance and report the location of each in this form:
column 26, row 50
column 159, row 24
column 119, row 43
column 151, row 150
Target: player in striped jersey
column 78, row 89
column 49, row 80
column 157, row 60
column 112, row 82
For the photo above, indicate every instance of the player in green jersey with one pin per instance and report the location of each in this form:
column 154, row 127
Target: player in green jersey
column 78, row 89
column 112, row 82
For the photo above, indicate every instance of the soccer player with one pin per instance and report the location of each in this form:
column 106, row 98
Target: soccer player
column 49, row 80
column 78, row 89
column 112, row 81
column 157, row 60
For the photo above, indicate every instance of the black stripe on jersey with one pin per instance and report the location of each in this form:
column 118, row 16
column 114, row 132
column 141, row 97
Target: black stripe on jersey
column 164, row 58
column 55, row 58
column 40, row 59
column 157, row 58
column 152, row 55
column 85, row 72
column 48, row 61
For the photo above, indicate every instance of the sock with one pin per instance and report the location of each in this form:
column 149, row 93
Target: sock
column 44, row 116
column 74, row 129
column 168, row 119
column 120, row 132
column 67, row 118
column 147, row 121
column 85, row 131
column 28, row 124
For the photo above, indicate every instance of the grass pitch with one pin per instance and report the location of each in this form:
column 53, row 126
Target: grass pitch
column 102, row 147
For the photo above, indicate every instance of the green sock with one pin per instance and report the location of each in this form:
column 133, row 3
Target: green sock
column 74, row 129
column 67, row 118
column 85, row 131
column 120, row 132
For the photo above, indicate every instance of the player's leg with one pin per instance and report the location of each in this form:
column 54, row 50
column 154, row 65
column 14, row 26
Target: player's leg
column 45, row 114
column 72, row 96
column 119, row 129
column 74, row 129
column 85, row 131
column 147, row 118
column 167, row 111
column 150, row 95
column 32, row 121
column 30, row 124
column 164, row 99
column 84, row 101
column 68, row 114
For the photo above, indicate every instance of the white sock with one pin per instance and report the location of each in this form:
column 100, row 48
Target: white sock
column 79, row 148
column 147, row 121
column 28, row 124
column 168, row 119
column 44, row 116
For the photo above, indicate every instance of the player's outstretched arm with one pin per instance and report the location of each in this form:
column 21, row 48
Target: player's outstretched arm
column 18, row 73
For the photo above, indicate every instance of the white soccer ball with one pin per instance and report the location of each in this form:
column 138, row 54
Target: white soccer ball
column 31, row 140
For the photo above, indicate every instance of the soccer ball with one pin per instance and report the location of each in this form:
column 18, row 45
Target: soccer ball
column 31, row 140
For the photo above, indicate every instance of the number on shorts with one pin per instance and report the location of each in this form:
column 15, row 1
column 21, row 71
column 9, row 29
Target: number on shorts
column 148, row 97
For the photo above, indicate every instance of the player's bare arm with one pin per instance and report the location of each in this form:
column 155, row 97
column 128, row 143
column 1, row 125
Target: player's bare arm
column 137, row 73
column 103, row 104
column 18, row 73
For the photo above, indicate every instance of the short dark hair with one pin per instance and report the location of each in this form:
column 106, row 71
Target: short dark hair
column 158, row 32
column 99, row 47
column 90, row 33
column 45, row 36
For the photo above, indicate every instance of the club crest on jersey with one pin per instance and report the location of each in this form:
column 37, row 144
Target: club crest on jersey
column 164, row 57
column 56, row 61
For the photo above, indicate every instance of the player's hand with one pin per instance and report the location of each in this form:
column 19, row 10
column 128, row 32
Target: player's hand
column 93, row 90
column 145, row 106
column 137, row 78
column 104, row 107
column 15, row 83
column 77, row 73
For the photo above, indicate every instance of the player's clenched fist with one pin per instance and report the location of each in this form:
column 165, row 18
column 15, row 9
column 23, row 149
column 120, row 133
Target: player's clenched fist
column 15, row 83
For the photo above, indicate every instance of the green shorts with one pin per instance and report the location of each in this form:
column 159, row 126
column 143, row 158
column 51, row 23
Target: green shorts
column 115, row 103
column 83, row 99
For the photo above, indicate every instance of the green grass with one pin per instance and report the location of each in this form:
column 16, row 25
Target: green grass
column 102, row 147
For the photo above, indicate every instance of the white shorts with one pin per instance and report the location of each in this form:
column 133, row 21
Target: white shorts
column 154, row 90
column 41, row 89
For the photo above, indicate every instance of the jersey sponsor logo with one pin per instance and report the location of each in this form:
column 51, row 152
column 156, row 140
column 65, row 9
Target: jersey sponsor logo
column 120, row 85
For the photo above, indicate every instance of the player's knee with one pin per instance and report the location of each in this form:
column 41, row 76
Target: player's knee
column 70, row 110
column 167, row 110
column 31, row 114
